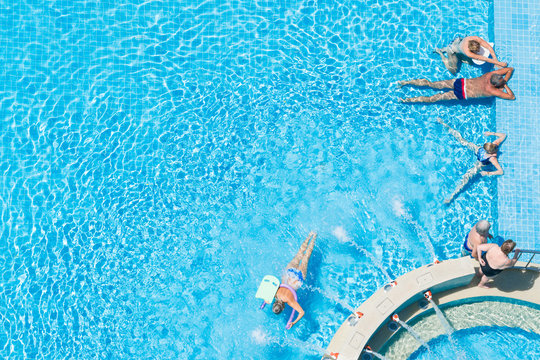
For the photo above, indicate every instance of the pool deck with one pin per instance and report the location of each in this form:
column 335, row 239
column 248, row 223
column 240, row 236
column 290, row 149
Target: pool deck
column 450, row 281
column 517, row 39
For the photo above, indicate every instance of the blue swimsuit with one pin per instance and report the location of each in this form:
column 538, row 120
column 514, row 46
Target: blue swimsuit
column 465, row 246
column 483, row 156
column 293, row 277
column 459, row 89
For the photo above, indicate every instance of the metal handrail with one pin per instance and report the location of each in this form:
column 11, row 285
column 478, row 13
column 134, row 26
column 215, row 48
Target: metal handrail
column 533, row 252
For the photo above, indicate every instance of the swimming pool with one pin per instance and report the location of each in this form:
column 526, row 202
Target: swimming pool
column 159, row 158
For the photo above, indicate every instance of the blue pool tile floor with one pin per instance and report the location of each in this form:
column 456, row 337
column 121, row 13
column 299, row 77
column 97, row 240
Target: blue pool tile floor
column 517, row 37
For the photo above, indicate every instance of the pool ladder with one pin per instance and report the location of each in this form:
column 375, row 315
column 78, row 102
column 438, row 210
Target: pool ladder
column 533, row 252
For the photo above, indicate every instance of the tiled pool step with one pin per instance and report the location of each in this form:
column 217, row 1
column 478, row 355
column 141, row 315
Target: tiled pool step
column 517, row 38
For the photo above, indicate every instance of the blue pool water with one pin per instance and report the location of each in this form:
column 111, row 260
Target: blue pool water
column 159, row 158
column 484, row 342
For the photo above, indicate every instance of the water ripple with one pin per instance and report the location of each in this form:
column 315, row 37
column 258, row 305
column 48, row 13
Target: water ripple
column 152, row 153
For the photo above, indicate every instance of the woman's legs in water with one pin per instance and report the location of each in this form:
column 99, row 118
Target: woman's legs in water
column 307, row 255
column 443, row 84
column 449, row 95
column 466, row 178
column 469, row 145
column 451, row 62
column 295, row 262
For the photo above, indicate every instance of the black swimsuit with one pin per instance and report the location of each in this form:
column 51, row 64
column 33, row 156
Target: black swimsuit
column 488, row 270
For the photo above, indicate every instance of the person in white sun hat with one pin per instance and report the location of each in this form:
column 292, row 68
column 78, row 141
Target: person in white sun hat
column 471, row 49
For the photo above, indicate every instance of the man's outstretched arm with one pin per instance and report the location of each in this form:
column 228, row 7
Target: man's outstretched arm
column 508, row 95
column 507, row 72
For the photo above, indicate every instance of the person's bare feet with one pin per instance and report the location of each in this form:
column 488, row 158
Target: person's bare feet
column 483, row 286
column 402, row 83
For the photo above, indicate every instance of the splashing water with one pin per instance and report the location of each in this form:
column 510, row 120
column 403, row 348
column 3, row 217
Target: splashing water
column 448, row 329
column 260, row 337
column 376, row 354
column 401, row 211
column 306, row 345
column 340, row 233
column 414, row 334
column 398, row 207
column 333, row 298
column 446, row 325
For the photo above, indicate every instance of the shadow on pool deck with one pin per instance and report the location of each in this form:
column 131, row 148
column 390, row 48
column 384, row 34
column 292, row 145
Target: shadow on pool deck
column 512, row 280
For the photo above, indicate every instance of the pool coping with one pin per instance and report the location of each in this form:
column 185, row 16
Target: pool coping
column 449, row 281
column 400, row 346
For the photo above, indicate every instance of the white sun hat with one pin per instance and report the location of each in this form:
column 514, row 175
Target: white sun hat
column 483, row 52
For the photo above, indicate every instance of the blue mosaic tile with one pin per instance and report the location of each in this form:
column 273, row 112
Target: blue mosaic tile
column 516, row 35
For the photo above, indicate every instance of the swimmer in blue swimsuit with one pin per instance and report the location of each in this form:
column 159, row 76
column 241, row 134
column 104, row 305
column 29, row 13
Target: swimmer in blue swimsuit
column 486, row 155
column 490, row 84
column 293, row 277
column 495, row 259
column 477, row 236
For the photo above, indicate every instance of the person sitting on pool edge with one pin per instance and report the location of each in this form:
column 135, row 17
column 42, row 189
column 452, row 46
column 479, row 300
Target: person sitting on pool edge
column 293, row 277
column 495, row 259
column 486, row 155
column 465, row 50
column 493, row 83
column 477, row 236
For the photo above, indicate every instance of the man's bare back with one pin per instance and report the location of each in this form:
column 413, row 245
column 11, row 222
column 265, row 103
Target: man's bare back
column 477, row 236
column 482, row 87
column 479, row 87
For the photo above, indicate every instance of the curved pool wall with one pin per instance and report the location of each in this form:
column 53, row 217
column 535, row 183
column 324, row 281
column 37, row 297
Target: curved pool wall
column 465, row 314
column 159, row 158
column 484, row 340
column 451, row 282
column 357, row 333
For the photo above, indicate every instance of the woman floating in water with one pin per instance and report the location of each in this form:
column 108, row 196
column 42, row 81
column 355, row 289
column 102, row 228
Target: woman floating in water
column 486, row 155
column 293, row 278
column 468, row 50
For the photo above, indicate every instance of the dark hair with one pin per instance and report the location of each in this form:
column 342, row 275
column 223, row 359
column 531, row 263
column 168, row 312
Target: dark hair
column 474, row 46
column 278, row 306
column 491, row 148
column 497, row 80
column 508, row 246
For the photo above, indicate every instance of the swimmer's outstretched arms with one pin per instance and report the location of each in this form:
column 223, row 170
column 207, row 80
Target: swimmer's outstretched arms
column 485, row 154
